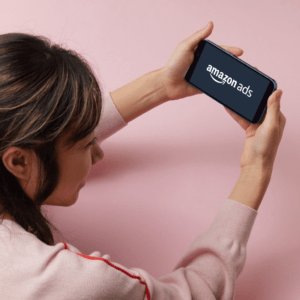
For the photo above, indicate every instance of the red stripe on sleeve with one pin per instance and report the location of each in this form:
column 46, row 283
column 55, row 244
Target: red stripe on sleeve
column 112, row 265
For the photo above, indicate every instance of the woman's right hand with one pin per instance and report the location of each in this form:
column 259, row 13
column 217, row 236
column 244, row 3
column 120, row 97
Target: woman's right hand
column 262, row 140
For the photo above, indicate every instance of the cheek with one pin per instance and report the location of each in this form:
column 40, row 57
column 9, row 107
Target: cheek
column 78, row 168
column 86, row 162
column 74, row 167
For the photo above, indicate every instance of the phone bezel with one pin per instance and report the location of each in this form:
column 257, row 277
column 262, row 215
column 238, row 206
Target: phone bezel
column 270, row 89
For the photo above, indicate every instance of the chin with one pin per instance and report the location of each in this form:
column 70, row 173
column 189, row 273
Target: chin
column 70, row 201
column 65, row 203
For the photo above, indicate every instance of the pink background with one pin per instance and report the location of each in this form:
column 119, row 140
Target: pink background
column 165, row 175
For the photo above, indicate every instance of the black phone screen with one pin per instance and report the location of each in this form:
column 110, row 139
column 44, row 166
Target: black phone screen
column 231, row 82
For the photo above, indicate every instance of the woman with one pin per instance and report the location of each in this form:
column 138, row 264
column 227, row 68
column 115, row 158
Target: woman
column 52, row 112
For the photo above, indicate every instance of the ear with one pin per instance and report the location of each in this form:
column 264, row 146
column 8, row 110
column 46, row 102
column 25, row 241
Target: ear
column 18, row 161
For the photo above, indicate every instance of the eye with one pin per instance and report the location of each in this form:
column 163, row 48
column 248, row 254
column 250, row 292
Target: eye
column 93, row 142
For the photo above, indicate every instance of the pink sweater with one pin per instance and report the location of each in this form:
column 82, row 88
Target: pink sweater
column 32, row 270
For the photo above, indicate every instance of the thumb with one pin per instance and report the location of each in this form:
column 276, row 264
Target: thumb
column 199, row 35
column 273, row 109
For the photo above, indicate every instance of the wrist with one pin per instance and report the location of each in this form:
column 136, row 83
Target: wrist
column 140, row 95
column 264, row 170
column 161, row 85
column 251, row 186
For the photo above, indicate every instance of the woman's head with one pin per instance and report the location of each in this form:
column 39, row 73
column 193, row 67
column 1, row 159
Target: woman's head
column 50, row 104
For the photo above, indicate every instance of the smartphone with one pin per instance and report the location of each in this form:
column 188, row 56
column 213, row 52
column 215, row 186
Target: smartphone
column 230, row 81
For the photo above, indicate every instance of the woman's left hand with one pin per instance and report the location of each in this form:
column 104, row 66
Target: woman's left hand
column 173, row 73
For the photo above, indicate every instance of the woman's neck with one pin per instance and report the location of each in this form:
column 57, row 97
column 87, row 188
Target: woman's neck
column 6, row 216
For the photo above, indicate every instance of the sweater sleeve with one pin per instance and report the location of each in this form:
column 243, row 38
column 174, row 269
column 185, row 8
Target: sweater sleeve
column 207, row 271
column 110, row 121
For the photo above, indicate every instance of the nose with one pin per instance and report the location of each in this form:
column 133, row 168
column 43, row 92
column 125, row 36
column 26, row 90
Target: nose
column 101, row 153
column 97, row 154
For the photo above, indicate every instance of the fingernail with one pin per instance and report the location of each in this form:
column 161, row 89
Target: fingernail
column 207, row 24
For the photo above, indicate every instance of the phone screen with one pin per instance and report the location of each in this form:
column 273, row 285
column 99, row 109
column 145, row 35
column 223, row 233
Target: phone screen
column 230, row 81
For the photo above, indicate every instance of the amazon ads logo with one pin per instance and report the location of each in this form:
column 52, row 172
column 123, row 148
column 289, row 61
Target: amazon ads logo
column 222, row 78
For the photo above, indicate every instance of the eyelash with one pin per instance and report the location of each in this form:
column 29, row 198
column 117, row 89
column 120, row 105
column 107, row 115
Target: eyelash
column 93, row 142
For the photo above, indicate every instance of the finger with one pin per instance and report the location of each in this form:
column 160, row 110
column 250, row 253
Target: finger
column 273, row 108
column 282, row 120
column 233, row 50
column 199, row 35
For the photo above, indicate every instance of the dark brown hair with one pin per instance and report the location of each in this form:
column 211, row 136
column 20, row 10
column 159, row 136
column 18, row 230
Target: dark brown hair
column 46, row 91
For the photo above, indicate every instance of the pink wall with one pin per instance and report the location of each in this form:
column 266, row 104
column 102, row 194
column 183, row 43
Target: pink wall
column 165, row 176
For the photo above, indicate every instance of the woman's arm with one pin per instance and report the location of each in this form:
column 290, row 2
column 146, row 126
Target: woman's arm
column 251, row 186
column 165, row 84
column 140, row 95
column 259, row 153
